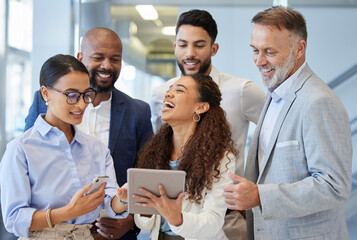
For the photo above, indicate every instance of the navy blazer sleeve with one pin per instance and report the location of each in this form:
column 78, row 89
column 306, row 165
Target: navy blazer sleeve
column 38, row 106
column 145, row 131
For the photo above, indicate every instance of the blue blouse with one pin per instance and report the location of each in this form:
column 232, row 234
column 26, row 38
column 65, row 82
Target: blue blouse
column 40, row 169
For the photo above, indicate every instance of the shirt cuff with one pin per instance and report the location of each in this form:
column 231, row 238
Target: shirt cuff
column 110, row 211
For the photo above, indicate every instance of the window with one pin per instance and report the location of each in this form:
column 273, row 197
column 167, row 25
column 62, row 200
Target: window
column 18, row 67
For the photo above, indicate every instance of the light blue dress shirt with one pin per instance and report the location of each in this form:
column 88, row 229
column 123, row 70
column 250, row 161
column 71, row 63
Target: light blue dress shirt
column 276, row 104
column 41, row 170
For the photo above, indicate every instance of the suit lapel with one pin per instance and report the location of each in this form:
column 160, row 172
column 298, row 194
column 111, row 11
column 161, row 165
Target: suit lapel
column 252, row 168
column 279, row 122
column 117, row 114
column 298, row 83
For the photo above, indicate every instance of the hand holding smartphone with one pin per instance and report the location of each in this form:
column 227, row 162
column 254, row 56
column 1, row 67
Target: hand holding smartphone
column 97, row 183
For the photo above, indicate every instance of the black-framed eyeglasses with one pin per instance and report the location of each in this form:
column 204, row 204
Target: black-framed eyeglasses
column 73, row 97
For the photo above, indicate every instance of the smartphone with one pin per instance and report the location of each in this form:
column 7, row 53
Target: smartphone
column 97, row 183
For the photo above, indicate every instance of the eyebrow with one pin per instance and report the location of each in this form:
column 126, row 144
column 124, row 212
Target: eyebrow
column 267, row 48
column 198, row 41
column 97, row 53
column 76, row 90
column 180, row 85
column 102, row 54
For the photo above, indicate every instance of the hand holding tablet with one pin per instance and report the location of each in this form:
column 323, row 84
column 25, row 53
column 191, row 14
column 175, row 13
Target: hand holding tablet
column 172, row 182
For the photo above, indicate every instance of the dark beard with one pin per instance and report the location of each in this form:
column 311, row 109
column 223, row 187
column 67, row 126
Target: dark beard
column 201, row 71
column 101, row 89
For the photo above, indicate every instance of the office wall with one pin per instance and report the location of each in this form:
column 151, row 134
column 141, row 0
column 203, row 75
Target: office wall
column 48, row 41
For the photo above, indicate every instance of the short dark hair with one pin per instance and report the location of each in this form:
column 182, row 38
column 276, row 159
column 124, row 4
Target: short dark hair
column 199, row 18
column 57, row 66
column 279, row 16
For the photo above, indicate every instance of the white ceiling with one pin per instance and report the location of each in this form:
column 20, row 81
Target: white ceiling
column 123, row 11
column 147, row 30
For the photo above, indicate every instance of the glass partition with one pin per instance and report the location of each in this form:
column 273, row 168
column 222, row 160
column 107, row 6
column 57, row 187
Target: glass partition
column 18, row 66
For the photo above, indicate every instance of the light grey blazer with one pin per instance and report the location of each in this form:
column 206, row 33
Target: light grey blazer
column 306, row 175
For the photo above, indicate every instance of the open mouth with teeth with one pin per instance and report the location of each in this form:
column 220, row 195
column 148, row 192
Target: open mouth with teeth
column 190, row 64
column 168, row 104
column 266, row 69
column 77, row 115
column 104, row 75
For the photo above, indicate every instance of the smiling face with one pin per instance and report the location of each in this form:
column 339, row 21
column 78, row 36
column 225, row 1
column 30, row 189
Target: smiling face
column 181, row 102
column 193, row 50
column 59, row 112
column 101, row 53
column 276, row 53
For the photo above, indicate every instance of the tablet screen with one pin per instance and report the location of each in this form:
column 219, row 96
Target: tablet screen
column 172, row 180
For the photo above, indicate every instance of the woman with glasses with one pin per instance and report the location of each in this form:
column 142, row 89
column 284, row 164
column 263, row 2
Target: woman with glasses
column 46, row 172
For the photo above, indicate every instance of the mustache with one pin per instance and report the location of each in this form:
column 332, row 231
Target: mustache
column 267, row 68
column 190, row 59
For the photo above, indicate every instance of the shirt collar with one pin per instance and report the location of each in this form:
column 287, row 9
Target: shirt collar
column 283, row 89
column 78, row 136
column 41, row 125
column 214, row 74
column 44, row 128
column 103, row 104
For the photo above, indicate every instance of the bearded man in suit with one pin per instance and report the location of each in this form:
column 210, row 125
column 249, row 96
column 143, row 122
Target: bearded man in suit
column 298, row 172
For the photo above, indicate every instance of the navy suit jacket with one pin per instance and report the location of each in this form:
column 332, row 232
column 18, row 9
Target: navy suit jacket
column 130, row 128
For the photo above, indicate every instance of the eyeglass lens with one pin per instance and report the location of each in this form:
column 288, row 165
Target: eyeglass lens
column 73, row 97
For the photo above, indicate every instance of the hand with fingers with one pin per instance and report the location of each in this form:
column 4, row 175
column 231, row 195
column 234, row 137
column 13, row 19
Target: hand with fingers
column 122, row 193
column 241, row 195
column 170, row 209
column 119, row 203
column 81, row 203
column 114, row 228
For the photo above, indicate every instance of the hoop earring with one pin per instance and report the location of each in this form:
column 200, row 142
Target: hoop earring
column 46, row 102
column 196, row 117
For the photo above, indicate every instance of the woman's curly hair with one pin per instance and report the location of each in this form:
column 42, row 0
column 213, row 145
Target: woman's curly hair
column 203, row 152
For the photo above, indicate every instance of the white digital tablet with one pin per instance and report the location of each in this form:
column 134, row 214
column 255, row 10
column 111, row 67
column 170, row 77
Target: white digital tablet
column 149, row 179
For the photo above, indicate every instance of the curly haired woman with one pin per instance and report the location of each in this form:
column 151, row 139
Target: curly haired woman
column 197, row 139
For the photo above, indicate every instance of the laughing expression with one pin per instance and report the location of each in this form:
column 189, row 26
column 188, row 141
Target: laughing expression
column 180, row 102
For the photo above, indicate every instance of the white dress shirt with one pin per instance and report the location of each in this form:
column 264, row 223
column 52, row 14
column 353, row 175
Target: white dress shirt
column 96, row 121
